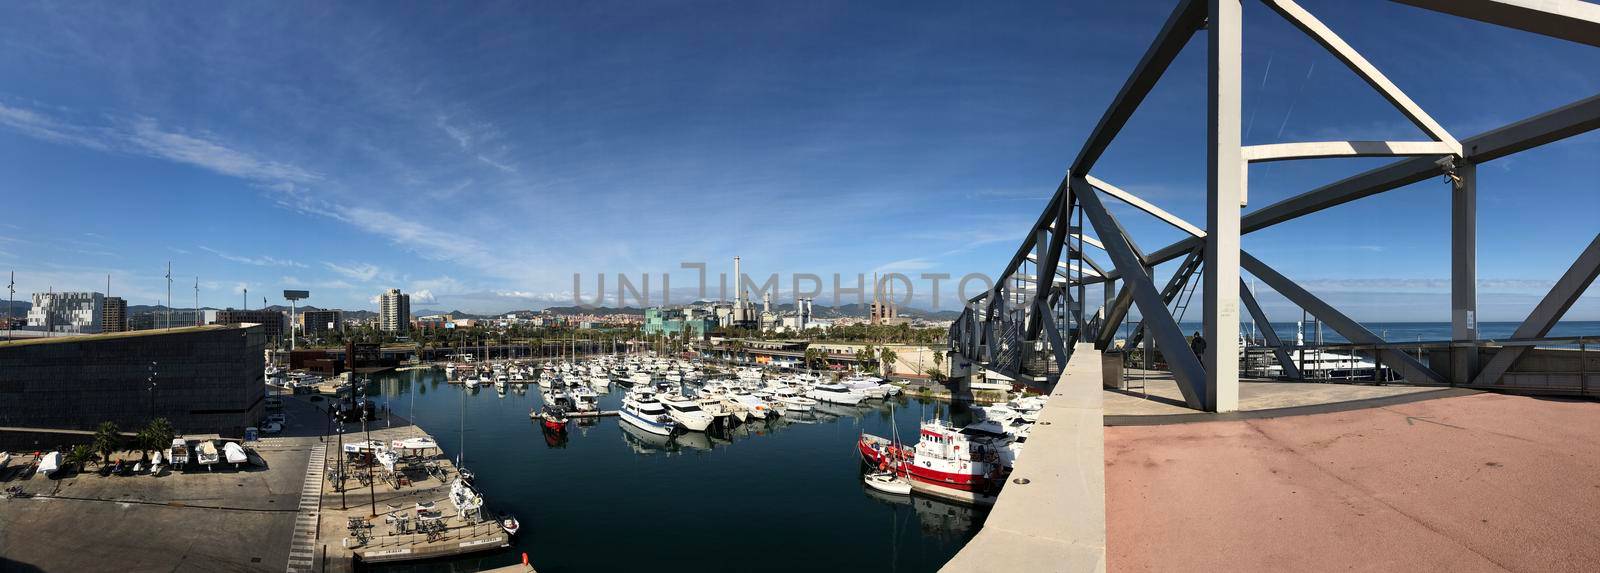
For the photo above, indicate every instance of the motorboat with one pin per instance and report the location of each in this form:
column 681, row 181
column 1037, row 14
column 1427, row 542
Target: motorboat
column 585, row 399
column 867, row 386
column 835, row 394
column 234, row 453
column 687, row 413
column 791, row 399
column 553, row 419
column 758, row 407
column 510, row 524
column 206, row 454
column 639, row 378
column 178, row 454
column 49, row 464
column 642, row 410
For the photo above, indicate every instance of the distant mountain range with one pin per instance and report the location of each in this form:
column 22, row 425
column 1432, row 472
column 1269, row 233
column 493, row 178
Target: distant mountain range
column 20, row 309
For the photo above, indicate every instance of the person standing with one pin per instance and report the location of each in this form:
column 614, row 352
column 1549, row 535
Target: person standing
column 1198, row 344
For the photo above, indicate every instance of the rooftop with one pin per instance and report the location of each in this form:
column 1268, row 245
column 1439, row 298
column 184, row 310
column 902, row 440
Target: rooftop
column 115, row 335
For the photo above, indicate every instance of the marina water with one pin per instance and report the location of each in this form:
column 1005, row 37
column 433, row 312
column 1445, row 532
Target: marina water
column 778, row 495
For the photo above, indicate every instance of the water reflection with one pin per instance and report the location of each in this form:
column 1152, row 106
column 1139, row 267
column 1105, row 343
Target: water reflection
column 802, row 469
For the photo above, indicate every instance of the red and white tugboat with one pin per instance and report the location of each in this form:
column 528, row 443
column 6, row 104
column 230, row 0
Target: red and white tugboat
column 967, row 465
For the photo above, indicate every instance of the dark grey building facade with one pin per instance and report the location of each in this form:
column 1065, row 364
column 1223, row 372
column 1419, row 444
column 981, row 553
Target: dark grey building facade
column 205, row 379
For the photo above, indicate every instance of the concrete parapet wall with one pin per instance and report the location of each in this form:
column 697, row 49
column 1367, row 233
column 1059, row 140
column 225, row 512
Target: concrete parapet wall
column 1051, row 516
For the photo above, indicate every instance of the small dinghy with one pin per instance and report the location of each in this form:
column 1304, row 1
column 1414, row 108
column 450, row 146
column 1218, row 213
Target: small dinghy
column 509, row 523
column 887, row 482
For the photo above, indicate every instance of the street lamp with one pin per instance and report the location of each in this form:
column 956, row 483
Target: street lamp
column 152, row 381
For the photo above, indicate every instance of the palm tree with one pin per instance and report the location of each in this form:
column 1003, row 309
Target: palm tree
column 812, row 356
column 106, row 439
column 888, row 356
column 937, row 374
column 80, row 454
column 866, row 356
column 156, row 435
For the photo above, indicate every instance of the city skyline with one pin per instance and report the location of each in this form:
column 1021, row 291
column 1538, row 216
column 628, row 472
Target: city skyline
column 346, row 150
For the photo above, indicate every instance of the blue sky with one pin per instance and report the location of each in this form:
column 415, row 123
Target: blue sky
column 480, row 155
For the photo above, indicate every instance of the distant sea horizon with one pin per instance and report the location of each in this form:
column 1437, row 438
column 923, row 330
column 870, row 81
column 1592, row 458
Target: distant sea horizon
column 1414, row 331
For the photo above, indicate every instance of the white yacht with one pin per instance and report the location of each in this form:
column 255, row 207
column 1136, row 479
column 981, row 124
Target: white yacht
column 868, row 386
column 642, row 410
column 687, row 413
column 641, row 378
column 584, row 399
column 792, row 399
column 835, row 394
column 758, row 408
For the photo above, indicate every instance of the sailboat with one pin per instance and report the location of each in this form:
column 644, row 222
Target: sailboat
column 890, row 475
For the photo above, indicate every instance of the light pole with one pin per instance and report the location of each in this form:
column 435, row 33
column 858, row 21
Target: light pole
column 152, row 381
column 372, row 480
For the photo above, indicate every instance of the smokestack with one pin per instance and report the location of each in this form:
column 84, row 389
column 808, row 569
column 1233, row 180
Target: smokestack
column 738, row 285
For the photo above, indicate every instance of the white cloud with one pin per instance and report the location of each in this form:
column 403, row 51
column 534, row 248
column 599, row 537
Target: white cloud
column 261, row 261
column 423, row 296
column 497, row 165
column 363, row 272
column 145, row 136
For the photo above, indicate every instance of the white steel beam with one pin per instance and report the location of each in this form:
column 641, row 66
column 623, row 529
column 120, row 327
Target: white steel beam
column 1566, row 19
column 1224, row 194
column 1410, row 368
column 1464, row 271
column 1290, row 369
column 1359, row 64
column 1544, row 316
column 1145, row 206
column 1572, row 119
column 1186, row 369
column 1186, row 19
column 1322, row 149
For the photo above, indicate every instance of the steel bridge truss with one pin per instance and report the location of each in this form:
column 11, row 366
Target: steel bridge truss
column 1026, row 324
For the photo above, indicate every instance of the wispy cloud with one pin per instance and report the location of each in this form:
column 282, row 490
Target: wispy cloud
column 261, row 261
column 496, row 164
column 363, row 272
column 145, row 136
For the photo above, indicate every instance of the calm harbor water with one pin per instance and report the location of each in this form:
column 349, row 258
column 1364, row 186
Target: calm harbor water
column 782, row 495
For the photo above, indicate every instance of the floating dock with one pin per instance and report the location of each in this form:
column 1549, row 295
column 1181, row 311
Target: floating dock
column 395, row 533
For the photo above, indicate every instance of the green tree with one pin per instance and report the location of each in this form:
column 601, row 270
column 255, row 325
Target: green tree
column 80, row 454
column 106, row 440
column 888, row 356
column 156, row 435
column 937, row 373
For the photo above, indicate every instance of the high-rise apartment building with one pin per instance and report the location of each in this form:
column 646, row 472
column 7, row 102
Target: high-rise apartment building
column 394, row 311
column 115, row 316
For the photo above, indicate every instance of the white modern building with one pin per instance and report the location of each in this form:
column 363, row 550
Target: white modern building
column 81, row 312
column 394, row 311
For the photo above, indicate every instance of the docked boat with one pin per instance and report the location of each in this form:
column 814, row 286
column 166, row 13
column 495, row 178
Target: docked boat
column 791, row 399
column 642, row 410
column 961, row 464
column 464, row 497
column 50, row 464
column 553, row 419
column 234, row 454
column 758, row 408
column 178, row 454
column 887, row 481
column 585, row 399
column 835, row 394
column 687, row 413
column 206, row 454
column 867, row 386
column 510, row 524
column 388, row 458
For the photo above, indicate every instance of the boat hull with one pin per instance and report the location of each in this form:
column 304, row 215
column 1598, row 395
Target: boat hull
column 637, row 421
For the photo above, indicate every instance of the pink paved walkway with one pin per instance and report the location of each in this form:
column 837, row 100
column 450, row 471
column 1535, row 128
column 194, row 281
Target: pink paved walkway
column 1474, row 483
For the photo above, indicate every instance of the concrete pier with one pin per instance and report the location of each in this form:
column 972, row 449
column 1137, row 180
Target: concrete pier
column 394, row 497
